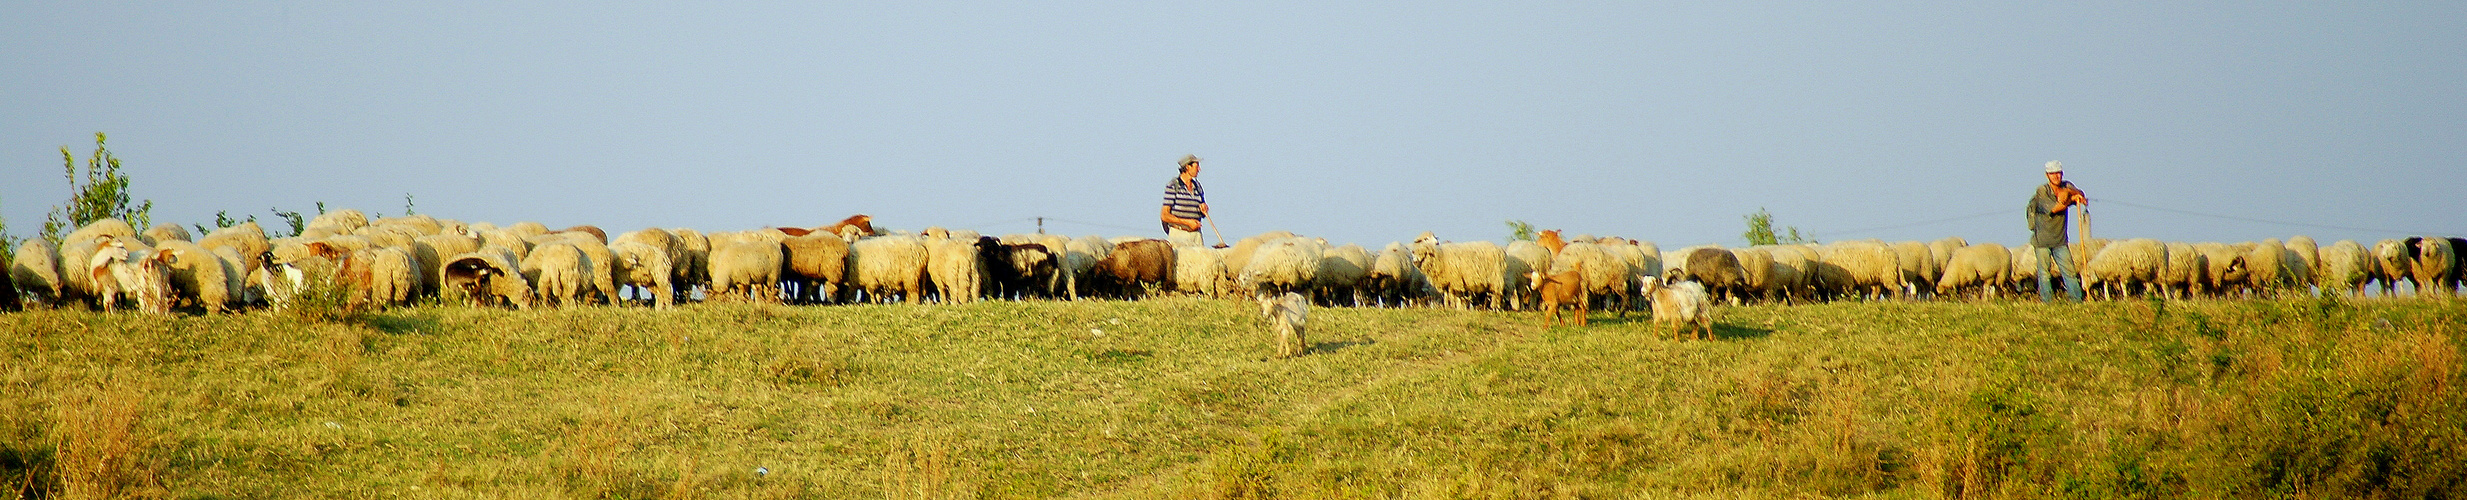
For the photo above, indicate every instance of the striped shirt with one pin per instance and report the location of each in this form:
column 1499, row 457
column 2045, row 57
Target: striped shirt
column 1184, row 199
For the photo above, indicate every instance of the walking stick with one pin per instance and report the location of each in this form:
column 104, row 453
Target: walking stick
column 1220, row 233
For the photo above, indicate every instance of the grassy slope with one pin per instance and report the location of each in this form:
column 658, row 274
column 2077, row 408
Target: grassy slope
column 1174, row 398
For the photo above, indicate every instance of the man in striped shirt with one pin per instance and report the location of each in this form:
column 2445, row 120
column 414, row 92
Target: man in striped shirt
column 1185, row 205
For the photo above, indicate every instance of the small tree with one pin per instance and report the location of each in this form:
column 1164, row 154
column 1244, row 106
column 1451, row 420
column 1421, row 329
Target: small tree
column 1760, row 230
column 104, row 194
column 1520, row 231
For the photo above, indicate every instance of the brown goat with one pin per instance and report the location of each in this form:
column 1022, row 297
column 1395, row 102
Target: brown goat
column 1550, row 239
column 863, row 224
column 1563, row 289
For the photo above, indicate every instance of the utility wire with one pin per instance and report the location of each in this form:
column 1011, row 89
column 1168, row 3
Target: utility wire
column 1913, row 224
column 2263, row 221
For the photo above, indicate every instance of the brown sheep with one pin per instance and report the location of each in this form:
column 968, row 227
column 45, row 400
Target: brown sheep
column 1133, row 265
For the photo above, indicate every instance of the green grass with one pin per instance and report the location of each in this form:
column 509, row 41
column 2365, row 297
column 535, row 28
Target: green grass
column 1181, row 398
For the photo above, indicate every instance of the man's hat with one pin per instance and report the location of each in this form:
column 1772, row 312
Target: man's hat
column 1187, row 160
column 2055, row 167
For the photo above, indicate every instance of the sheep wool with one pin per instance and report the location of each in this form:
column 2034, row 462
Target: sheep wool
column 1201, row 271
column 2345, row 266
column 888, row 266
column 646, row 268
column 1283, row 265
column 953, row 265
column 196, row 275
column 2436, row 265
column 2187, row 272
column 2228, row 269
column 1463, row 272
column 35, row 270
column 1983, row 267
column 558, row 273
column 2123, row 267
column 2392, row 263
column 165, row 232
column 1393, row 277
column 1524, row 258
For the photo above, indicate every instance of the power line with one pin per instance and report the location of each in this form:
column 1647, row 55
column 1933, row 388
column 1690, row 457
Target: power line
column 2262, row 221
column 1913, row 224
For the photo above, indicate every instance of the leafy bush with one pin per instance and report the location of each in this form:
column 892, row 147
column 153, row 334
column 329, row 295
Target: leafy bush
column 104, row 194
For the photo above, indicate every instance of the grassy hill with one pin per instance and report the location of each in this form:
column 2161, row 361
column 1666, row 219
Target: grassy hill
column 1176, row 398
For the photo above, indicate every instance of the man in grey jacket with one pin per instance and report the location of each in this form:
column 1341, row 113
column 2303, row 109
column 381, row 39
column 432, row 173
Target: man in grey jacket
column 2048, row 241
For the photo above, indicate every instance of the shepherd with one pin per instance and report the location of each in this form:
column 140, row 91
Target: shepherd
column 1186, row 203
column 2046, row 212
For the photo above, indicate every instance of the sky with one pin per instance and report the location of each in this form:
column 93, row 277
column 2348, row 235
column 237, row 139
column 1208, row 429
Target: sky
column 1360, row 122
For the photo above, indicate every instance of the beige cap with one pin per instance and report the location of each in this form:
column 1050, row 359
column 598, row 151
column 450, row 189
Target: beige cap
column 1187, row 160
column 2055, row 167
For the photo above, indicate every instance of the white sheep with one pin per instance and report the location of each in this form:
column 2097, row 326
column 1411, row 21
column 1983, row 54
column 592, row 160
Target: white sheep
column 1756, row 266
column 888, row 266
column 646, row 268
column 115, row 228
column 1860, row 268
column 246, row 238
column 1201, row 270
column 2392, row 263
column 344, row 221
column 693, row 267
column 164, row 232
column 1984, row 267
column 1284, row 265
column 2122, row 266
column 1918, row 267
column 559, row 273
column 1462, row 272
column 747, row 269
column 1393, row 277
column 382, row 276
column 601, row 276
column 1523, row 259
column 1684, row 305
column 2228, row 270
column 1239, row 256
column 1288, row 314
column 1606, row 275
column 1078, row 260
column 35, row 270
column 1942, row 250
column 2435, row 266
column 2025, row 269
column 2310, row 252
column 1341, row 271
column 2274, row 268
column 196, row 275
column 955, row 266
column 2345, row 266
column 2187, row 271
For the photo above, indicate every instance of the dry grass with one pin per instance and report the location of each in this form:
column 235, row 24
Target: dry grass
column 1181, row 398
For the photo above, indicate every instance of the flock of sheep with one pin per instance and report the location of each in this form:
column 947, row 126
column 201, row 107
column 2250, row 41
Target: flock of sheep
column 399, row 260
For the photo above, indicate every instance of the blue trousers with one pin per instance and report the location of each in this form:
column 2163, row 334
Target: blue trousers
column 2062, row 256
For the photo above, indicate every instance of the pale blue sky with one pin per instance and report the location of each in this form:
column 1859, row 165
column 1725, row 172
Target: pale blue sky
column 1361, row 122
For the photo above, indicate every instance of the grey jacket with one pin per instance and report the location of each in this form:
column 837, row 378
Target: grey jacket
column 2047, row 224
